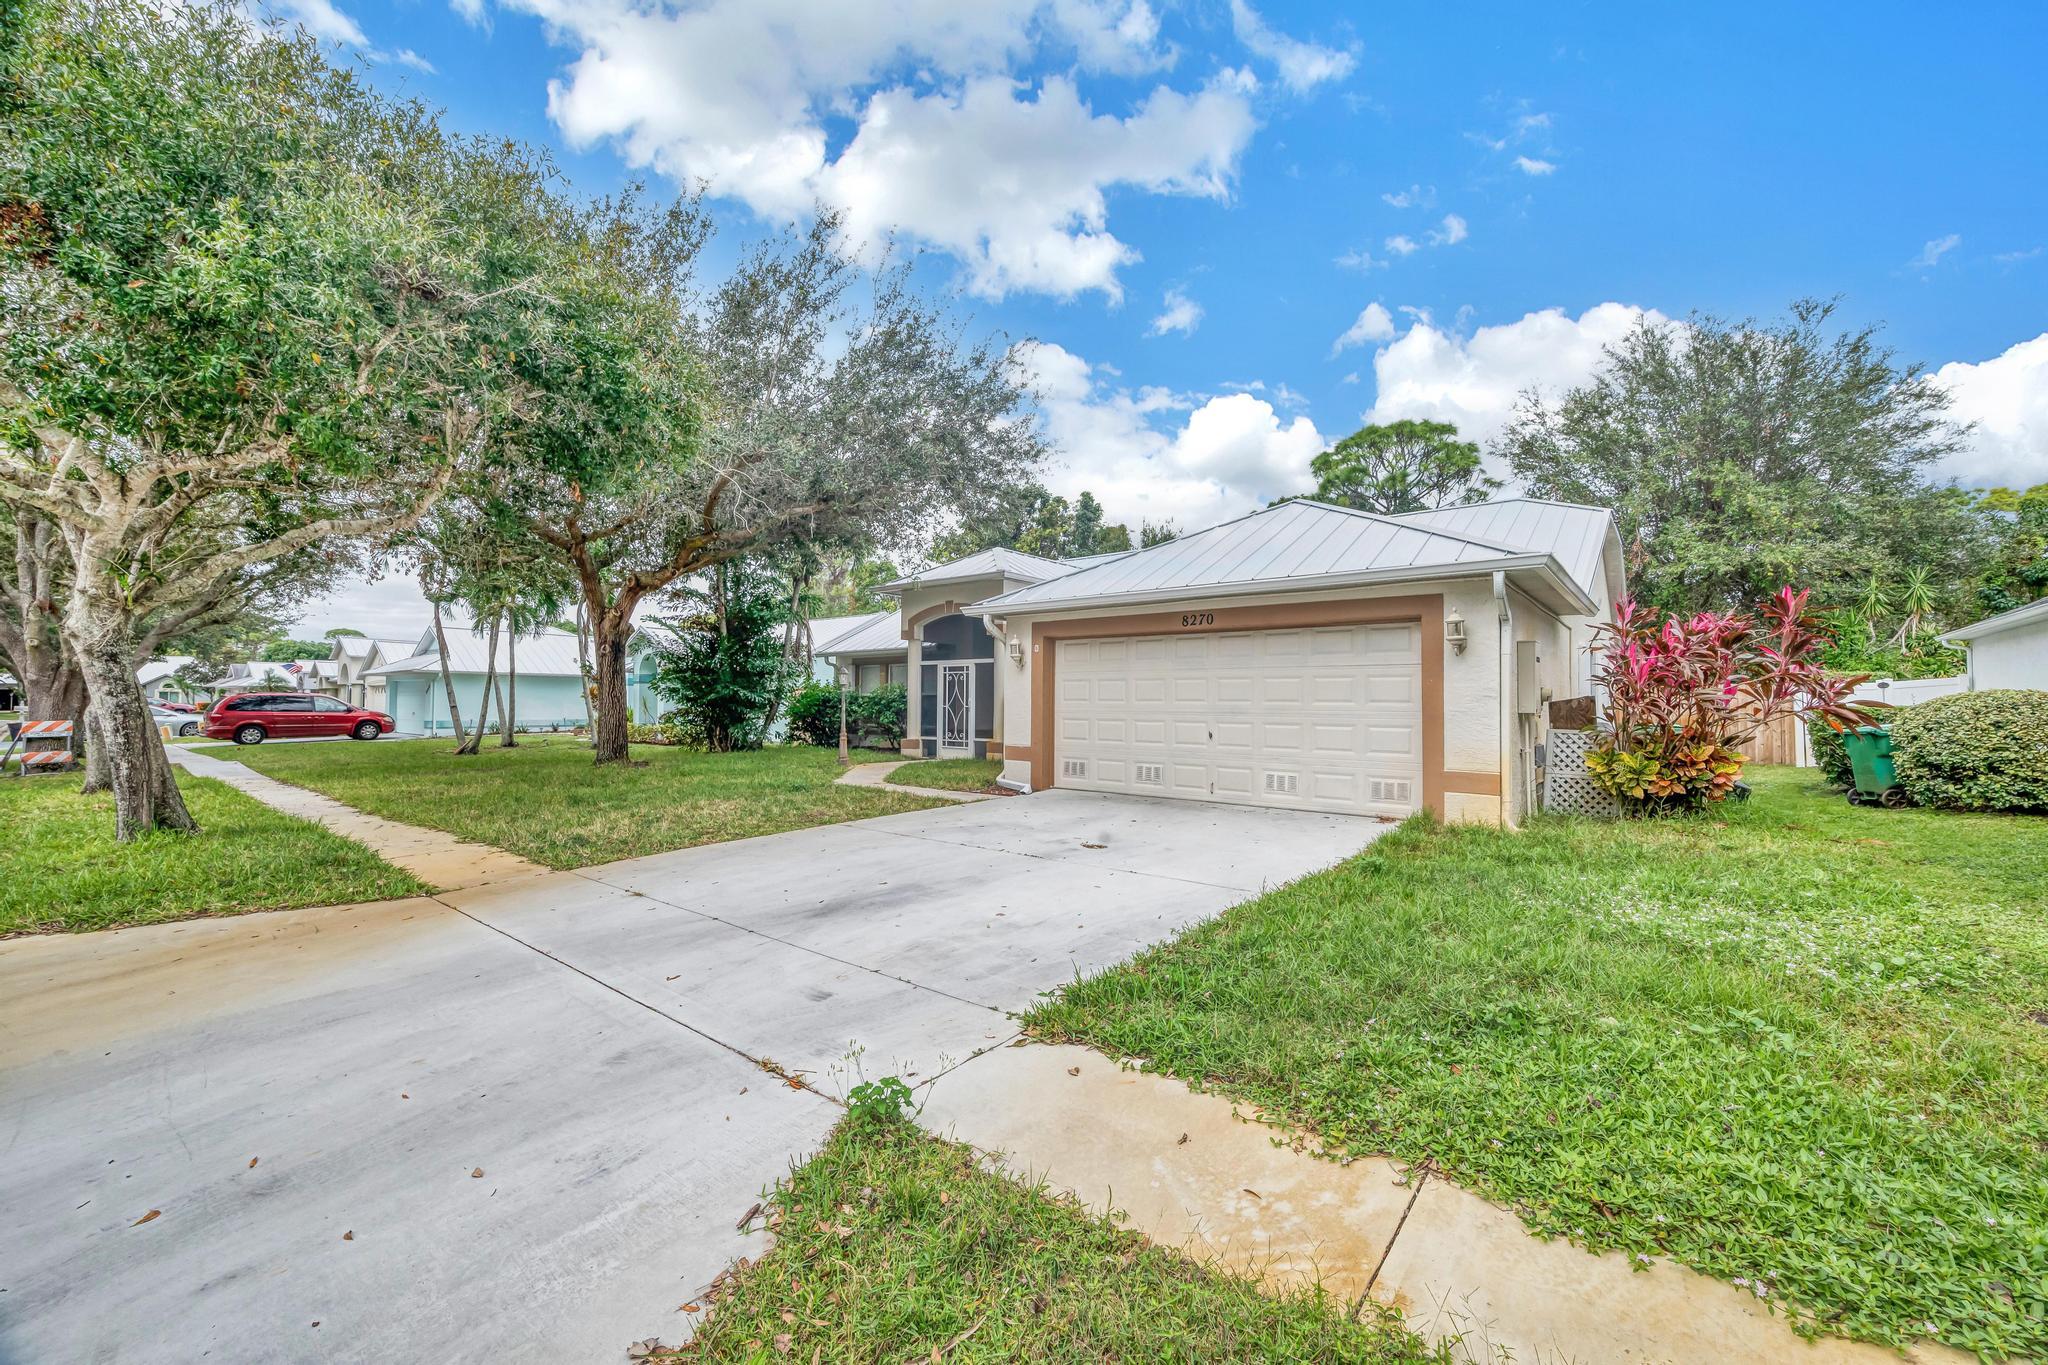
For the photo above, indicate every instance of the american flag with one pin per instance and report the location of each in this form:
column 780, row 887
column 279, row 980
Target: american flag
column 295, row 669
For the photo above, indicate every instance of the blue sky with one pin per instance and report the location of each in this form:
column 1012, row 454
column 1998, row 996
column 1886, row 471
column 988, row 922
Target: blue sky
column 1238, row 232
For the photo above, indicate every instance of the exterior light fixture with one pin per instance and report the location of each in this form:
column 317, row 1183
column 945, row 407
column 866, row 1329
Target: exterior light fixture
column 1454, row 632
column 1016, row 650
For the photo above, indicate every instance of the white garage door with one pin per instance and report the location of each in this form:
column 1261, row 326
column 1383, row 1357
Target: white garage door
column 1315, row 719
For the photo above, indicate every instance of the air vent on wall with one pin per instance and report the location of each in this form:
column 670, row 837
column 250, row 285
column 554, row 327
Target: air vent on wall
column 1283, row 784
column 1073, row 767
column 1154, row 773
column 1383, row 789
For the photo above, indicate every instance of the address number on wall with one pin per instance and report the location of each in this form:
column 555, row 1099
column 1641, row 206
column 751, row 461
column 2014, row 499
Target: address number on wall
column 1197, row 618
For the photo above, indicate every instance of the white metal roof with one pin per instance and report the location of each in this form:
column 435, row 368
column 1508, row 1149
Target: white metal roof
column 549, row 653
column 2005, row 620
column 874, row 634
column 1572, row 533
column 996, row 563
column 354, row 646
column 1298, row 544
column 157, row 669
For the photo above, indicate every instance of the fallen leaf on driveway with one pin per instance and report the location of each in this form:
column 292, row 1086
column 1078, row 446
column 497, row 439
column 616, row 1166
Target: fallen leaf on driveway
column 349, row 1236
column 252, row 1163
column 1086, row 844
column 747, row 1217
column 477, row 1174
column 691, row 1308
column 147, row 1217
column 1256, row 1195
column 1183, row 1141
column 1073, row 1071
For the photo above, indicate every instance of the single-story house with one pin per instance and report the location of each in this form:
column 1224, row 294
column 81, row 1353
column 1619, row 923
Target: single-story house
column 10, row 693
column 353, row 659
column 2007, row 650
column 264, row 675
column 1305, row 656
column 160, row 680
column 549, row 693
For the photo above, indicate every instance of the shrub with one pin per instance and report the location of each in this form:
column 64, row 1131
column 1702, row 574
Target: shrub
column 813, row 713
column 1830, row 752
column 879, row 714
column 1975, row 751
column 1683, row 694
column 666, row 733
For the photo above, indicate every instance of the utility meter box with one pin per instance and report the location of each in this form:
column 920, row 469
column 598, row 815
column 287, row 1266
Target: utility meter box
column 1528, row 685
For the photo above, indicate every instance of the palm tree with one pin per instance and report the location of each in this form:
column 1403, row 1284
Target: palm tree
column 1873, row 606
column 1918, row 603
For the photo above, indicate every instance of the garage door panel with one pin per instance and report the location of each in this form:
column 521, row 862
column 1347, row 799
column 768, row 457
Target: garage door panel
column 1324, row 718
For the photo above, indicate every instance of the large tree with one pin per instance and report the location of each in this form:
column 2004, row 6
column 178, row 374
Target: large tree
column 1408, row 466
column 802, row 401
column 1743, row 457
column 247, row 307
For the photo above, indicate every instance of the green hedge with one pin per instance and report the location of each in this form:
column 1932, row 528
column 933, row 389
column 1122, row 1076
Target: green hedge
column 873, row 719
column 1975, row 751
column 1830, row 752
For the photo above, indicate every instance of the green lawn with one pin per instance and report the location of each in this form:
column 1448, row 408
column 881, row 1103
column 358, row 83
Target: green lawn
column 892, row 1246
column 949, row 774
column 546, row 801
column 60, row 869
column 1795, row 1044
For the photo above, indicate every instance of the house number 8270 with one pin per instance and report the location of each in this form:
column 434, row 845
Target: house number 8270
column 1198, row 618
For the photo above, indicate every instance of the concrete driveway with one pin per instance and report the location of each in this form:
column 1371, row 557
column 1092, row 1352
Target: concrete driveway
column 518, row 1123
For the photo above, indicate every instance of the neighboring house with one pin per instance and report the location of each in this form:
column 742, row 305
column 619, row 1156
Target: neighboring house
column 550, row 693
column 293, row 675
column 353, row 660
column 651, row 637
column 10, row 693
column 160, row 680
column 1305, row 656
column 2007, row 650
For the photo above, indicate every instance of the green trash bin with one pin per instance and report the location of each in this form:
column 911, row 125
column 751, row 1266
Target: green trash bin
column 1870, row 764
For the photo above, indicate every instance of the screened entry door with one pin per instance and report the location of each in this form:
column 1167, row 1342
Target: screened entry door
column 956, row 711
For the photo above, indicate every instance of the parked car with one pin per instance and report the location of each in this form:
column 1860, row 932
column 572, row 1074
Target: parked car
column 183, row 723
column 187, row 707
column 252, row 717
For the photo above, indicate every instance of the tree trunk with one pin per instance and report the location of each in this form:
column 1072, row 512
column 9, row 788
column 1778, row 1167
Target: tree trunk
column 608, row 735
column 146, row 793
column 448, row 683
column 88, row 738
column 583, row 661
column 510, row 710
column 475, row 740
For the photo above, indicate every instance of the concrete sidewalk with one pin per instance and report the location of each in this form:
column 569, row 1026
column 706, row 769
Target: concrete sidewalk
column 439, row 859
column 1196, row 1172
column 877, row 775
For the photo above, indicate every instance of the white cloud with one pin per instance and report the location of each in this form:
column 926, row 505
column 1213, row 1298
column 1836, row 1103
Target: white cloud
column 1302, row 66
column 2014, row 257
column 1182, row 314
column 1451, row 233
column 1360, row 259
column 1931, row 254
column 1474, row 381
column 946, row 146
column 1401, row 244
column 1530, row 165
column 1229, row 453
column 1414, row 197
column 2007, row 397
column 1373, row 323
column 405, row 56
column 321, row 19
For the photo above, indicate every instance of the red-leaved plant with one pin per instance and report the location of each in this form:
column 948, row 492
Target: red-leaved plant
column 1682, row 696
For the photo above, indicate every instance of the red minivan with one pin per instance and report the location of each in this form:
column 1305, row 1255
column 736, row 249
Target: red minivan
column 252, row 717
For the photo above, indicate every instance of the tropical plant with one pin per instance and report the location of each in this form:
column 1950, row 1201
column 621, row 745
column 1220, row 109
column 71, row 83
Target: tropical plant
column 1830, row 751
column 813, row 712
column 726, row 672
column 1681, row 696
column 878, row 717
column 1975, row 750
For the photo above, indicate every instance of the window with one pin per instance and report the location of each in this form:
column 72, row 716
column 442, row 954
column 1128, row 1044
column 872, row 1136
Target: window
column 328, row 704
column 289, row 704
column 249, row 701
column 867, row 677
column 957, row 637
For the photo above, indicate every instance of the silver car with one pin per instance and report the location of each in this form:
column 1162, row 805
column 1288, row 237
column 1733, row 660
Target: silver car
column 183, row 724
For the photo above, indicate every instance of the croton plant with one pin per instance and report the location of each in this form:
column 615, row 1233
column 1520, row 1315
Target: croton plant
column 1684, row 696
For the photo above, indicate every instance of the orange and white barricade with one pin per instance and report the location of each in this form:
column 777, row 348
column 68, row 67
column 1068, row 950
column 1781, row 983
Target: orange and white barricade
column 33, row 738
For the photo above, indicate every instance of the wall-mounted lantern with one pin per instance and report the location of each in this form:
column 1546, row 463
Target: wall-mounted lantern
column 1016, row 650
column 1454, row 632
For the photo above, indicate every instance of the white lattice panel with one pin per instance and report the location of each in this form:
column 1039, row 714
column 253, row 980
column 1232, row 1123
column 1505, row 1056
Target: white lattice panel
column 1567, row 787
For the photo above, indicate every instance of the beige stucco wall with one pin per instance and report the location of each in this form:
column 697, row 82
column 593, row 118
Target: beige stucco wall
column 965, row 593
column 1471, row 679
column 2011, row 658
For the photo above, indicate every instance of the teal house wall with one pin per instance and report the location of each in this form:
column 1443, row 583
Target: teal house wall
column 419, row 707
